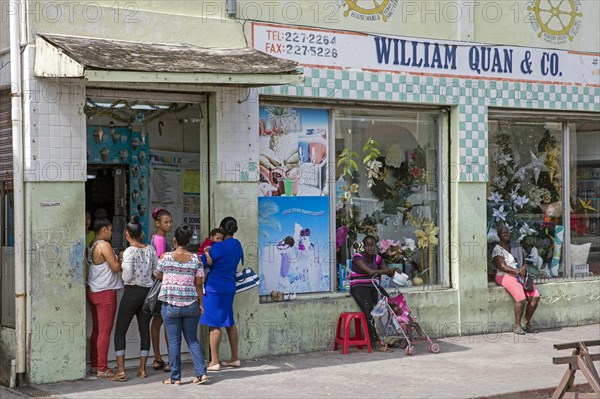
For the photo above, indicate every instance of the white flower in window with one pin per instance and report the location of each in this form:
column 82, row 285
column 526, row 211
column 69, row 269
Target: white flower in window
column 525, row 231
column 503, row 159
column 372, row 174
column 520, row 201
column 499, row 214
column 513, row 192
column 500, row 182
column 374, row 165
column 496, row 197
column 410, row 244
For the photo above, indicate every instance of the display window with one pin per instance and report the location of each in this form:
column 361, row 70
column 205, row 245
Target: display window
column 542, row 185
column 387, row 185
column 321, row 193
column 584, row 193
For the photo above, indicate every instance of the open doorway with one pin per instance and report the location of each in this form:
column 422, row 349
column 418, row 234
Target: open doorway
column 106, row 193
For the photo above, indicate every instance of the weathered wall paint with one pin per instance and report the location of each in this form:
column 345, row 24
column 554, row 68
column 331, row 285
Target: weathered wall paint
column 562, row 304
column 56, row 292
column 470, row 253
column 7, row 353
column 144, row 21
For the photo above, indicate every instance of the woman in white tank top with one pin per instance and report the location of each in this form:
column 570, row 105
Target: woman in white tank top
column 104, row 279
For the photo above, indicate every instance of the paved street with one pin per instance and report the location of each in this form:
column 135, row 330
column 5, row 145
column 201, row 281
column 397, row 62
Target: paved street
column 472, row 366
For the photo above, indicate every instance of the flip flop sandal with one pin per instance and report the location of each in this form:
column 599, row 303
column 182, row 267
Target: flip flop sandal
column 169, row 381
column 381, row 348
column 142, row 374
column 518, row 331
column 529, row 329
column 157, row 365
column 109, row 373
column 235, row 364
column 167, row 368
column 120, row 377
column 200, row 381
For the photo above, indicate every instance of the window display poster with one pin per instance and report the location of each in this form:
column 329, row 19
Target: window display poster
column 293, row 244
column 175, row 186
column 293, row 148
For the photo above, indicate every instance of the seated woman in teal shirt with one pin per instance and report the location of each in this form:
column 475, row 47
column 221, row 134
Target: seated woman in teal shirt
column 219, row 291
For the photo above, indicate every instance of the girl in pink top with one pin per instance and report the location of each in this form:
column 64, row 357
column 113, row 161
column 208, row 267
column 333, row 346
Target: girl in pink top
column 164, row 223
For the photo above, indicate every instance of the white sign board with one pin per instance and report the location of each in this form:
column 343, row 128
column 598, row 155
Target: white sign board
column 353, row 50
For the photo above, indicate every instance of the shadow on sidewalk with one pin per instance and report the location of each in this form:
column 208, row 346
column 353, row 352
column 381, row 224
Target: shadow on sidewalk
column 265, row 366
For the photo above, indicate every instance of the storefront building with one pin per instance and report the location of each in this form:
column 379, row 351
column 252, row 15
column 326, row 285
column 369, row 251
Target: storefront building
column 427, row 131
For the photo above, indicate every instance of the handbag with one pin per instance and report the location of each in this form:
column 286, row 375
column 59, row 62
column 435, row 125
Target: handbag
column 245, row 280
column 151, row 304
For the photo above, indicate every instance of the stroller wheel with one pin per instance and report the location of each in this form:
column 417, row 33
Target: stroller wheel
column 410, row 350
column 434, row 348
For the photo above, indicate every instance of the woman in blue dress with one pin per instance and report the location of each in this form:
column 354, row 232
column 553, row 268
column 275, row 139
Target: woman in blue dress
column 219, row 291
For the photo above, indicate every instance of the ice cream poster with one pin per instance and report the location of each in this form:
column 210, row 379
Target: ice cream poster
column 139, row 178
column 293, row 151
column 120, row 145
column 293, row 244
column 108, row 144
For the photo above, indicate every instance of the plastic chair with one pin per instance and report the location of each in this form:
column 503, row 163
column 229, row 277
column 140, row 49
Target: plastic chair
column 361, row 337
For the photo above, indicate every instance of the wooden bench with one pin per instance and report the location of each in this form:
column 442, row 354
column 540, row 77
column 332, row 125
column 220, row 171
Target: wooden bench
column 582, row 360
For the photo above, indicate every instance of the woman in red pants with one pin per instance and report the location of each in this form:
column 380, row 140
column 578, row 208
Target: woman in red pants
column 103, row 282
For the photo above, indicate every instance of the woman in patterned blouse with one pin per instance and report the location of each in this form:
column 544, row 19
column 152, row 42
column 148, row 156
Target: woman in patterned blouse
column 181, row 273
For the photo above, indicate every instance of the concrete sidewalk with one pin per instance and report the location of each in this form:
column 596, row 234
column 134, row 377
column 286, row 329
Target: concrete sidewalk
column 471, row 366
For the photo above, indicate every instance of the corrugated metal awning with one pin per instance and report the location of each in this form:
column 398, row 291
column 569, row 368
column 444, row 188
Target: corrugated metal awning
column 103, row 60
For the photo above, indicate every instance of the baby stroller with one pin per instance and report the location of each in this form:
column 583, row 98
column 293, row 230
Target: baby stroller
column 395, row 321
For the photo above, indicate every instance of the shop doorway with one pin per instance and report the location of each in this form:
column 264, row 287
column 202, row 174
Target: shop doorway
column 143, row 152
column 106, row 191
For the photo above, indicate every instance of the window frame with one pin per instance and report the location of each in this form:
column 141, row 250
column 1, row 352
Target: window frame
column 443, row 187
column 565, row 119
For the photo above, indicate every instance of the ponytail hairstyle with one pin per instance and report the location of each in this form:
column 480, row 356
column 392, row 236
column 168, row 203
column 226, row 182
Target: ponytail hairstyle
column 134, row 228
column 159, row 213
column 229, row 226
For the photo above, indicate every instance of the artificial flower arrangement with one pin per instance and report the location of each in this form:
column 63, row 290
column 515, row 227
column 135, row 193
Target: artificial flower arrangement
column 522, row 188
column 392, row 177
column 579, row 217
column 398, row 179
column 396, row 251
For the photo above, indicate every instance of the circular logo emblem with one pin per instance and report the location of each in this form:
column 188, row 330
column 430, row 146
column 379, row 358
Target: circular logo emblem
column 369, row 10
column 556, row 21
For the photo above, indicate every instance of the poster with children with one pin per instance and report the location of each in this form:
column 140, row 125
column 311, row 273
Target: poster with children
column 293, row 151
column 293, row 244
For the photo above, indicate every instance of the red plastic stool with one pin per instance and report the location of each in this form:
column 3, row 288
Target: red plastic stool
column 361, row 336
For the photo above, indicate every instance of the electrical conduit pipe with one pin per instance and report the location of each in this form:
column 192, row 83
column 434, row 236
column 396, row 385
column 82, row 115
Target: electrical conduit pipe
column 19, row 200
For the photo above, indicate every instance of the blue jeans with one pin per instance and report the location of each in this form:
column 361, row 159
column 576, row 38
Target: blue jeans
column 183, row 319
